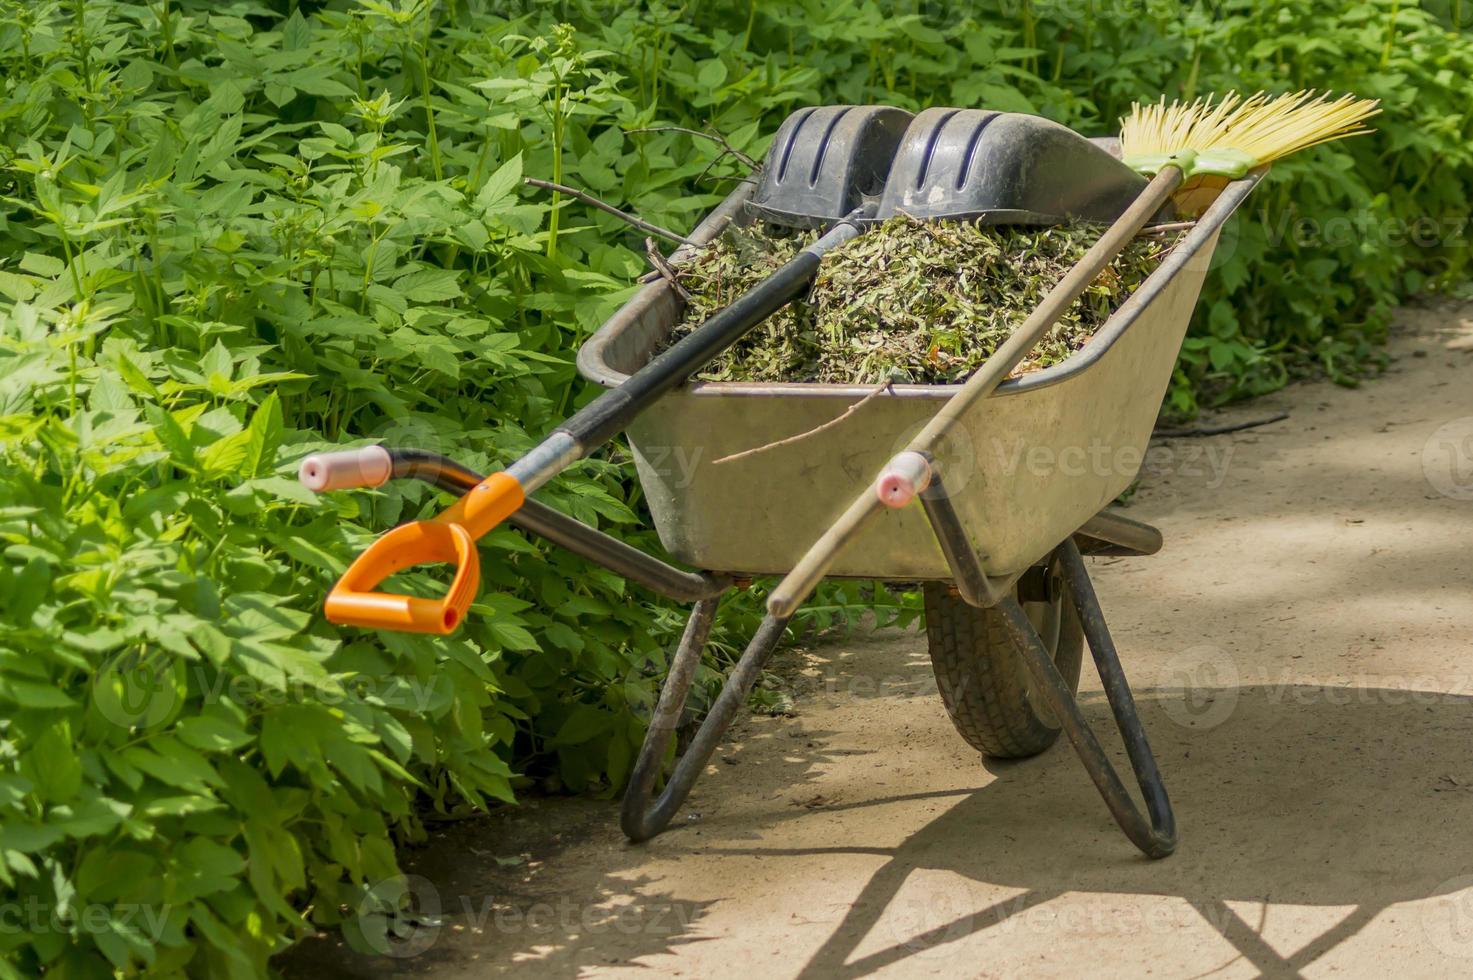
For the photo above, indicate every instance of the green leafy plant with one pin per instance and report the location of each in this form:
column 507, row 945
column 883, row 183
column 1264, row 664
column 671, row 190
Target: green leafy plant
column 230, row 238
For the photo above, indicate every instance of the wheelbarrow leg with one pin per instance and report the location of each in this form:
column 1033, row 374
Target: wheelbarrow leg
column 1156, row 836
column 643, row 816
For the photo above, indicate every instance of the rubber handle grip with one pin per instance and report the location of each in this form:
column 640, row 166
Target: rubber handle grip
column 902, row 478
column 450, row 539
column 346, row 469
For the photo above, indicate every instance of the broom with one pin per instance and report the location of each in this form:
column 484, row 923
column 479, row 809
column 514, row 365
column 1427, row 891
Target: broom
column 1213, row 144
column 1193, row 149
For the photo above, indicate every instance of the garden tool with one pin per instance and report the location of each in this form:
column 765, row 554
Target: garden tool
column 1180, row 144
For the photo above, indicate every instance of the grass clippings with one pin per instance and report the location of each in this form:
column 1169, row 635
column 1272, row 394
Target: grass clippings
column 908, row 301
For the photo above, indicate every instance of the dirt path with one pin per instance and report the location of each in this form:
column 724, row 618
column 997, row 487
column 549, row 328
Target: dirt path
column 1302, row 654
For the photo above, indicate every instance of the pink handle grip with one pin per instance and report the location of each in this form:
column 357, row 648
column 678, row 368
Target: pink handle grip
column 902, row 478
column 347, row 469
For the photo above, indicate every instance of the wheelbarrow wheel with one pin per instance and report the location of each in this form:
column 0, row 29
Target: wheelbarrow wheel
column 980, row 672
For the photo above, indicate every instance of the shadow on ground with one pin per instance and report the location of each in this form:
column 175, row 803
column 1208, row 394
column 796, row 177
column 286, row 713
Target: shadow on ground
column 1374, row 787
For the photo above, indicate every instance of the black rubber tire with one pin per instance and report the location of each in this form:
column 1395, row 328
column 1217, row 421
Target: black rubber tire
column 981, row 675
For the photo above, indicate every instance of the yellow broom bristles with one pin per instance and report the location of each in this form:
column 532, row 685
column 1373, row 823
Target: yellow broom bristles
column 1261, row 127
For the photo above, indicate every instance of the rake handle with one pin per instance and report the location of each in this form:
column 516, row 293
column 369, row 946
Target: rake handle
column 811, row 568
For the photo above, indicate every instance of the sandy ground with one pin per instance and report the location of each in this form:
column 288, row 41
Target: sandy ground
column 1302, row 656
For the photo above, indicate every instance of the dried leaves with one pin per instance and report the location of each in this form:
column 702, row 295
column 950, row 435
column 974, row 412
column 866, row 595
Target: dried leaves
column 908, row 301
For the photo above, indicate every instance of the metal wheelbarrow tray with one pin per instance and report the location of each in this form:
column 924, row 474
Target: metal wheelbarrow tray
column 1039, row 459
column 1008, row 599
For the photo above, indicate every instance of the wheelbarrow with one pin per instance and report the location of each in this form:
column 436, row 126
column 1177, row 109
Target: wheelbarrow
column 998, row 548
column 997, row 544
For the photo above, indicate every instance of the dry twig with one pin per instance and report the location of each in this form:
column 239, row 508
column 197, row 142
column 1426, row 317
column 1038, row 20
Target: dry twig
column 1217, row 430
column 663, row 268
column 883, row 386
column 713, row 135
column 587, row 198
column 1166, row 228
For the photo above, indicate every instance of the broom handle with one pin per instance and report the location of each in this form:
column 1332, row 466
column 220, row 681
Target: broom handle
column 810, row 570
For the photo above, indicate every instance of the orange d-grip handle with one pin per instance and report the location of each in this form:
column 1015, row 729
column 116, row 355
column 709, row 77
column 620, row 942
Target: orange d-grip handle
column 449, row 538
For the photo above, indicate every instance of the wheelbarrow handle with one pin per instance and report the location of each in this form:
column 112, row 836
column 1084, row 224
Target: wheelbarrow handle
column 346, row 469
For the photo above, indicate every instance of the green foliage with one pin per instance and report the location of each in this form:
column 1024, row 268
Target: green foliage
column 1336, row 236
column 234, row 232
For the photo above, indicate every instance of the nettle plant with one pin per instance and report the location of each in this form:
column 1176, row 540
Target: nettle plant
column 233, row 235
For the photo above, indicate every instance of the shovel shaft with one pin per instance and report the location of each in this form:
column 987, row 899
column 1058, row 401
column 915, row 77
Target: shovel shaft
column 811, row 568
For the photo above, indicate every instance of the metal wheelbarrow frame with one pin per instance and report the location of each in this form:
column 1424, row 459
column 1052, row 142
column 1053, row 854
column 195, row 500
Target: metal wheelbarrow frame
column 1058, row 528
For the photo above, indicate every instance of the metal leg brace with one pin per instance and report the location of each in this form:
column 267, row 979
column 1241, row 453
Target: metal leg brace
column 1155, row 837
column 642, row 816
